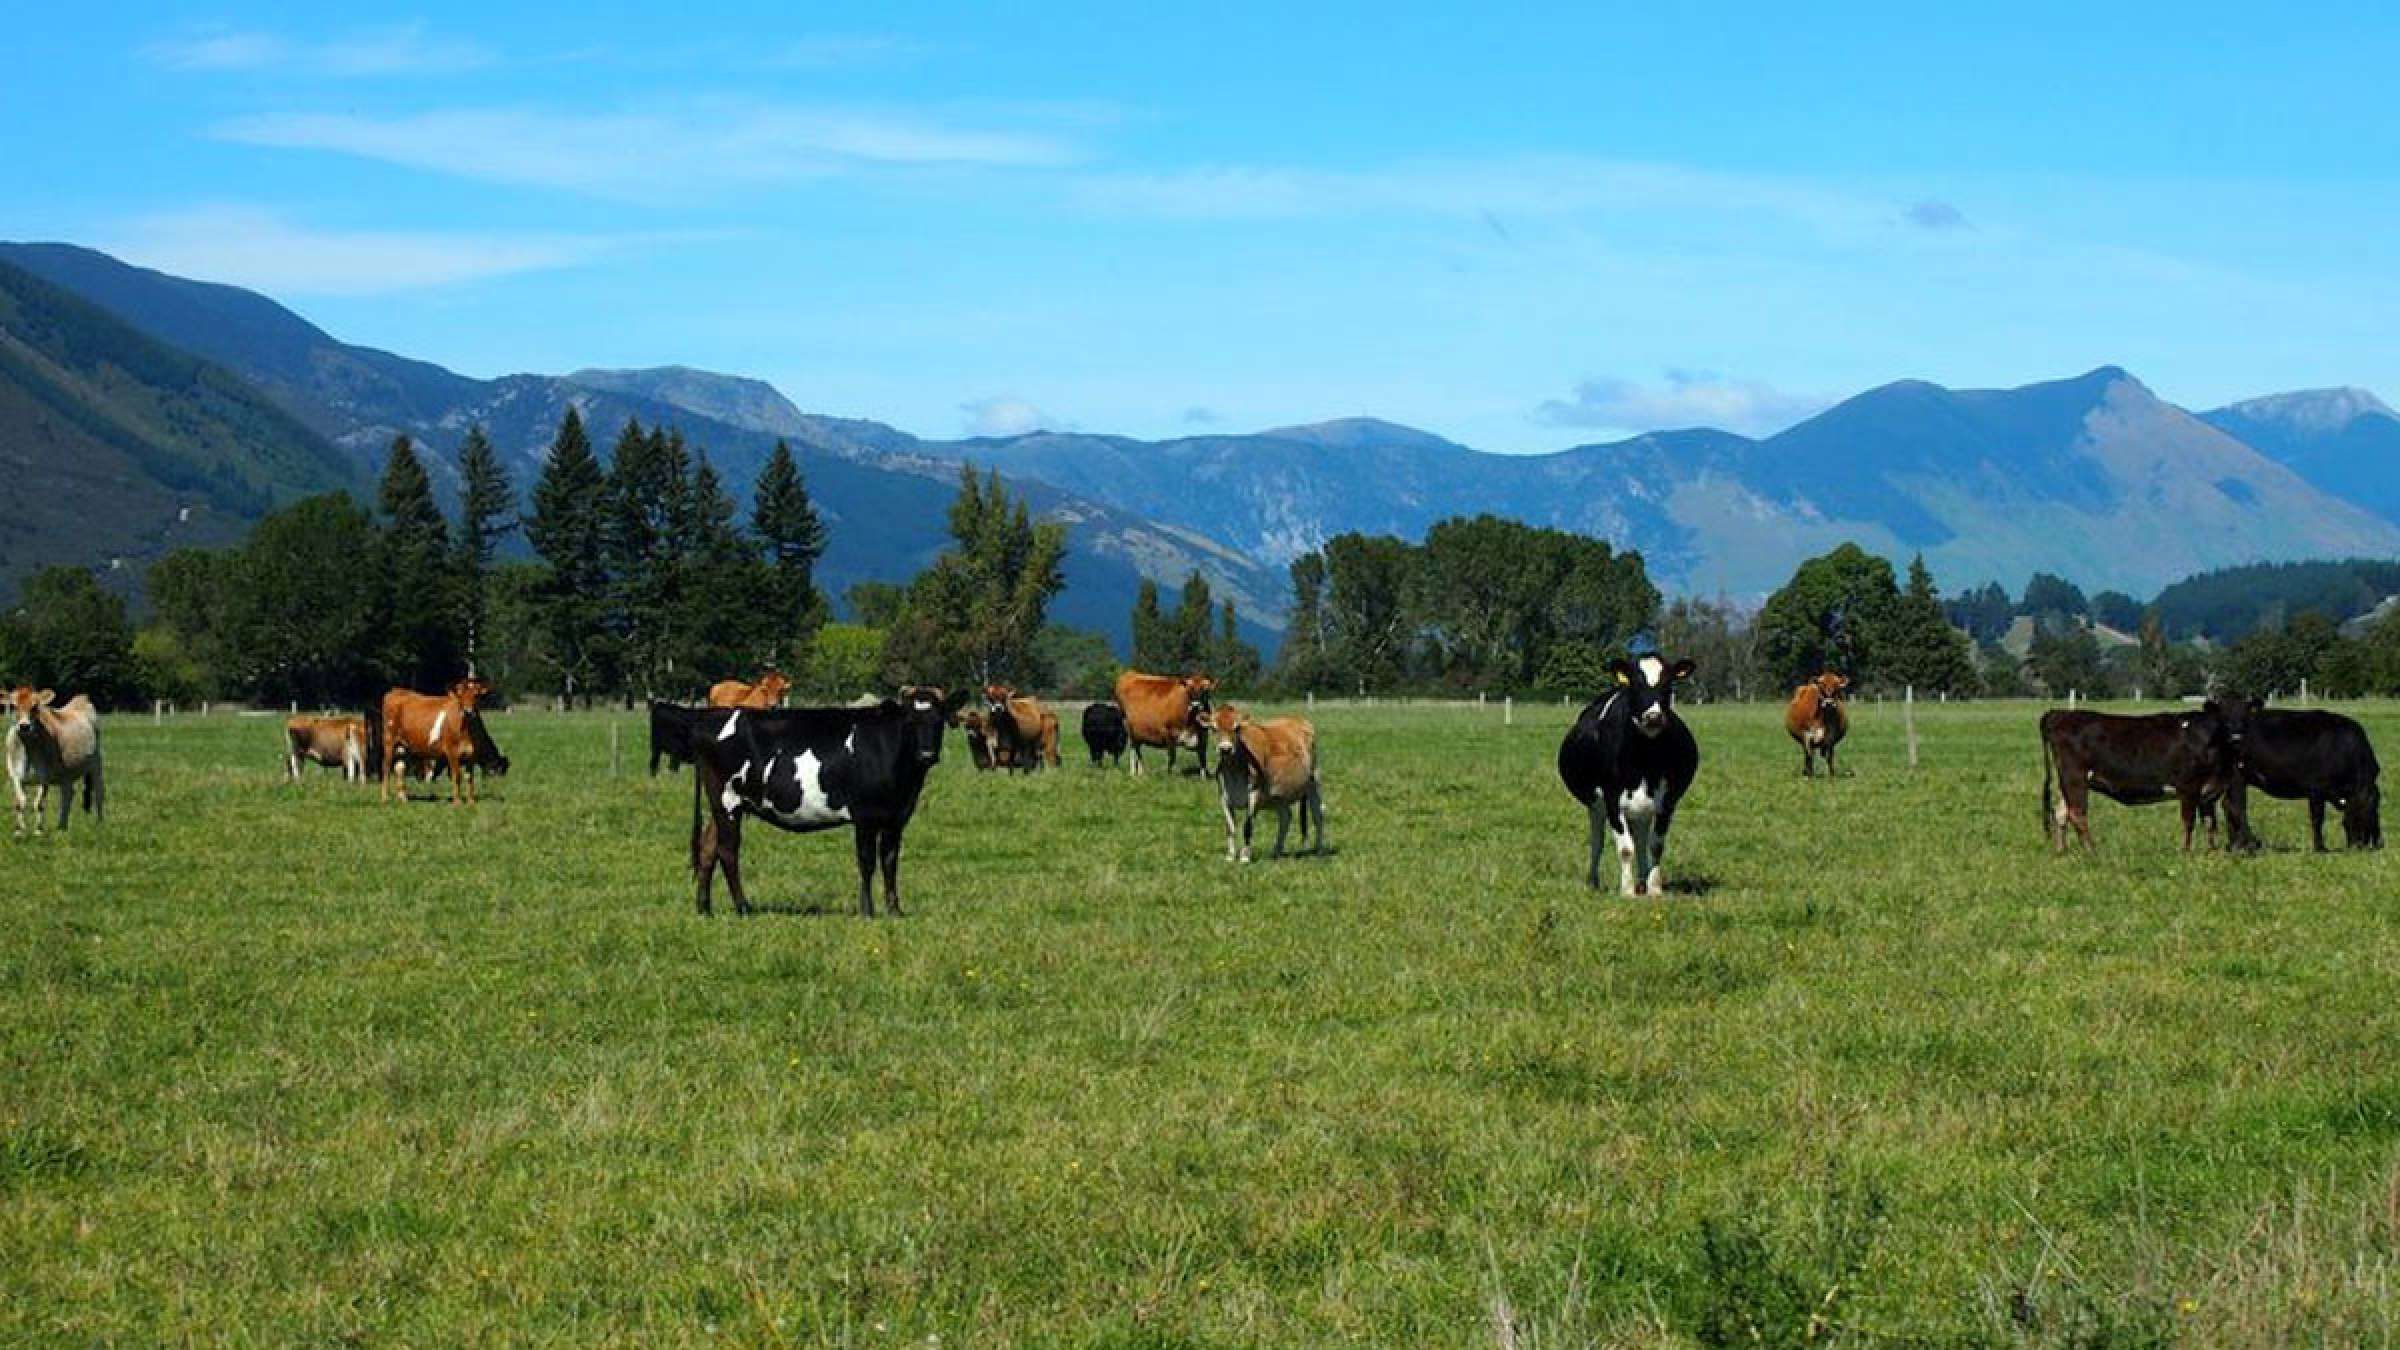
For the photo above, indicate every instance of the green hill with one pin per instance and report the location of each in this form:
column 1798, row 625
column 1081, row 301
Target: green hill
column 118, row 447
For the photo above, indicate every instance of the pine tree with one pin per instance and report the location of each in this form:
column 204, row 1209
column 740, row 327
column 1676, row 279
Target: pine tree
column 1235, row 663
column 649, row 505
column 1152, row 650
column 487, row 513
column 422, row 632
column 1919, row 647
column 1303, row 655
column 787, row 526
column 1193, row 616
column 973, row 617
column 729, row 591
column 568, row 529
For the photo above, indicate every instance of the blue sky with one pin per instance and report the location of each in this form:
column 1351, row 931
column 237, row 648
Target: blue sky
column 1521, row 227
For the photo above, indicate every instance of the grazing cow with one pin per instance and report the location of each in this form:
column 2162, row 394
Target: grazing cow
column 54, row 745
column 1024, row 732
column 482, row 757
column 1816, row 720
column 1629, row 759
column 1168, row 711
column 1270, row 763
column 335, row 742
column 670, row 734
column 979, row 738
column 426, row 726
column 805, row 769
column 2311, row 755
column 767, row 693
column 2137, row 760
column 1104, row 732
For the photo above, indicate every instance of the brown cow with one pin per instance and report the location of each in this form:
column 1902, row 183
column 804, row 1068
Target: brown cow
column 1024, row 732
column 1816, row 720
column 1270, row 763
column 429, row 725
column 1169, row 711
column 48, row 745
column 2194, row 758
column 979, row 738
column 335, row 742
column 767, row 693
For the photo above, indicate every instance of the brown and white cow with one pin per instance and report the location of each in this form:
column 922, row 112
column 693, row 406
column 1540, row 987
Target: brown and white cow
column 335, row 742
column 1024, row 732
column 768, row 692
column 979, row 738
column 2192, row 757
column 1267, row 763
column 53, row 745
column 1816, row 719
column 431, row 726
column 1166, row 711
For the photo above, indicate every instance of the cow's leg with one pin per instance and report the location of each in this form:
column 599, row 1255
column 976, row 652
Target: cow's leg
column 1618, row 826
column 1233, row 830
column 2316, row 823
column 2191, row 810
column 1283, row 825
column 729, row 856
column 1597, row 821
column 1658, row 846
column 17, row 785
column 41, row 809
column 1829, row 769
column 1641, row 827
column 704, row 852
column 890, row 852
column 1316, row 806
column 1133, row 767
column 66, row 803
column 864, row 838
column 2075, row 800
column 1808, row 761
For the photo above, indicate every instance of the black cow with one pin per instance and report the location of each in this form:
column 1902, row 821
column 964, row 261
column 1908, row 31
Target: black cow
column 483, row 754
column 1104, row 732
column 670, row 734
column 2311, row 755
column 2189, row 756
column 807, row 769
column 1629, row 759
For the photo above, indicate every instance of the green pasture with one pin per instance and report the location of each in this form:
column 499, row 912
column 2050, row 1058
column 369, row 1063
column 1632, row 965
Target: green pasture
column 279, row 1065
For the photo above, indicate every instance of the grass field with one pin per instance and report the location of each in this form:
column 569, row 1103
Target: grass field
column 278, row 1065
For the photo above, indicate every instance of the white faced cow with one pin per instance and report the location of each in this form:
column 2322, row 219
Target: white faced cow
column 53, row 745
column 1629, row 759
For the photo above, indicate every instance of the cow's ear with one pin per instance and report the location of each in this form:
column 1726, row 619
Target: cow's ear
column 1681, row 670
column 954, row 700
column 1622, row 669
column 45, row 698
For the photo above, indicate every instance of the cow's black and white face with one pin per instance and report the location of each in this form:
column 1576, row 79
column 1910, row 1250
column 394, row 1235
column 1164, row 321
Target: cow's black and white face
column 1647, row 685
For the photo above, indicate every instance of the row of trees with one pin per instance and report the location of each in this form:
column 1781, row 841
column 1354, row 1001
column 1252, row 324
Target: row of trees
column 1199, row 635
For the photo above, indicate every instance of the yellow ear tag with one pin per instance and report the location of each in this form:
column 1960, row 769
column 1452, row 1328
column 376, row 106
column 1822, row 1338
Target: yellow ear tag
column 1621, row 677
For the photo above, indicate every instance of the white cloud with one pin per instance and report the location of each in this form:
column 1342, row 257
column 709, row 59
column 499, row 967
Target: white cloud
column 249, row 246
column 1684, row 398
column 403, row 50
column 1482, row 190
column 643, row 154
column 1007, row 416
column 1935, row 214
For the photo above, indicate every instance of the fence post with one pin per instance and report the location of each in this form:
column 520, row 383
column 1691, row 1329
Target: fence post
column 612, row 747
column 2304, row 690
column 1312, row 700
column 1908, row 718
column 1508, row 710
column 158, row 711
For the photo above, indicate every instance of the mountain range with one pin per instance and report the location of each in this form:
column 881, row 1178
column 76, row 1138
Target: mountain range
column 2094, row 477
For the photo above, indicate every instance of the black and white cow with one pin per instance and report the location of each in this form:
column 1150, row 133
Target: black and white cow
column 808, row 769
column 1629, row 759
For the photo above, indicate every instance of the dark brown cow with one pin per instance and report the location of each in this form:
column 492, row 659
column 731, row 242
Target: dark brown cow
column 429, row 726
column 1166, row 711
column 1024, row 732
column 768, row 692
column 1816, row 720
column 335, row 742
column 2189, row 756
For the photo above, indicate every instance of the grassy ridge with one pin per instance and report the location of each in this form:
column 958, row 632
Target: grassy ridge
column 279, row 1064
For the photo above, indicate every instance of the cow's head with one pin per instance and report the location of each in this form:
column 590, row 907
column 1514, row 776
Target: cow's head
column 468, row 690
column 772, row 686
column 997, row 696
column 2232, row 712
column 1831, row 687
column 1648, row 685
column 24, row 700
column 1199, row 692
column 925, row 711
column 1228, row 722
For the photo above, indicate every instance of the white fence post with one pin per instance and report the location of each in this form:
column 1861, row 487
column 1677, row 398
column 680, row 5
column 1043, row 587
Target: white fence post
column 1908, row 718
column 1508, row 711
column 612, row 747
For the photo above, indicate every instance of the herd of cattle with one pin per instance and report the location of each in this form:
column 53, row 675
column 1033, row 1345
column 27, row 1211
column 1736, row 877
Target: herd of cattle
column 1628, row 759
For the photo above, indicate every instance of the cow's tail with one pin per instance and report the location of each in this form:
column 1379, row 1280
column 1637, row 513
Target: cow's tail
column 2049, row 820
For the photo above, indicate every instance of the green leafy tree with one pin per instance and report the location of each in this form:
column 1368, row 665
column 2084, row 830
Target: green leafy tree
column 876, row 604
column 787, row 526
column 1920, row 648
column 844, row 661
column 569, row 531
column 422, row 647
column 2070, row 660
column 69, row 634
column 1719, row 643
column 2117, row 610
column 972, row 617
column 191, row 598
column 2051, row 599
column 1367, row 615
column 307, row 602
column 1302, row 663
column 487, row 514
column 1832, row 615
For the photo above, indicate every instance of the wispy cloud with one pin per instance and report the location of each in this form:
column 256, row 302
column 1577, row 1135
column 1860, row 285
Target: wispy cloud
column 1484, row 190
column 1683, row 398
column 1936, row 214
column 407, row 49
column 707, row 146
column 1005, row 415
column 1199, row 416
column 251, row 246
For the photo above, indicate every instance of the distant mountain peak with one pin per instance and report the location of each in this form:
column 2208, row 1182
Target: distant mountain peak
column 2312, row 410
column 737, row 400
column 1361, row 433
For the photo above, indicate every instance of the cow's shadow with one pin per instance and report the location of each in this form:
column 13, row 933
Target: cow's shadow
column 1695, row 885
column 803, row 909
